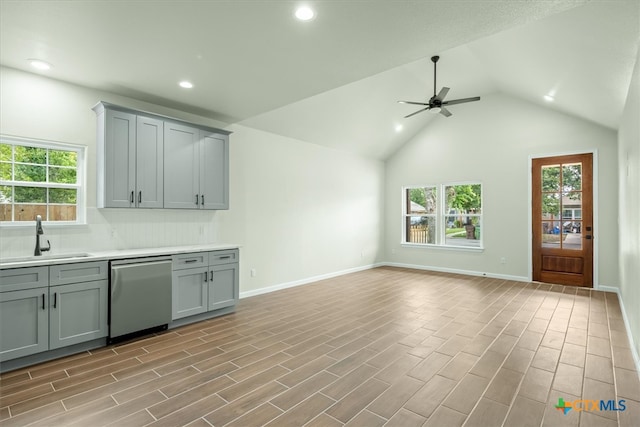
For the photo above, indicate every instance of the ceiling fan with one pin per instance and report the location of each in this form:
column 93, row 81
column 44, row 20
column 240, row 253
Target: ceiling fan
column 437, row 103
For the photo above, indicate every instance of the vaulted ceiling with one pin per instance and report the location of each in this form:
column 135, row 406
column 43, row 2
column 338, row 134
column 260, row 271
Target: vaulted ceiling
column 334, row 80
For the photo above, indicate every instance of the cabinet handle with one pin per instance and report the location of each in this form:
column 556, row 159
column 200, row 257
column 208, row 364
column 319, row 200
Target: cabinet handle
column 55, row 299
column 132, row 197
column 225, row 257
column 211, row 276
column 202, row 201
column 43, row 307
column 205, row 276
column 140, row 197
column 189, row 261
column 196, row 199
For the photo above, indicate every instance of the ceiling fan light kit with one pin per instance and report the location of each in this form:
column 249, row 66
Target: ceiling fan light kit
column 437, row 103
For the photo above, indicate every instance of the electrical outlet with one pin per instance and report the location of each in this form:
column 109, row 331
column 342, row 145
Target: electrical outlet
column 503, row 260
column 253, row 272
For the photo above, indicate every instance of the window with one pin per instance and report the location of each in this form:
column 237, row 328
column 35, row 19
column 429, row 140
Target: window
column 41, row 178
column 444, row 215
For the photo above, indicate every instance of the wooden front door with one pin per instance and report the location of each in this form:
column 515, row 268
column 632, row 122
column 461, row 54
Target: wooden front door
column 562, row 203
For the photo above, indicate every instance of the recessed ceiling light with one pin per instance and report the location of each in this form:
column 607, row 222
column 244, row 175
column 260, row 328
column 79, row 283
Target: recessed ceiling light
column 185, row 84
column 305, row 13
column 549, row 98
column 39, row 64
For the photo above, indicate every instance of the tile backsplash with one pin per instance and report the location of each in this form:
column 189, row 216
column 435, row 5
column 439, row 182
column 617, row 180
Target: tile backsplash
column 109, row 229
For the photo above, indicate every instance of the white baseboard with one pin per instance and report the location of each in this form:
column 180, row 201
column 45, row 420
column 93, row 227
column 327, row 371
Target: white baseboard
column 305, row 281
column 458, row 271
column 634, row 351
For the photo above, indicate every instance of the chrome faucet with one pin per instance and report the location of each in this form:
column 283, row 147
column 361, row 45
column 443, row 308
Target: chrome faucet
column 39, row 231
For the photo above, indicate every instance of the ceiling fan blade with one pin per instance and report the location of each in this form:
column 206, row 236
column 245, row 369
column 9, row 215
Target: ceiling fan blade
column 443, row 92
column 412, row 103
column 461, row 101
column 419, row 111
column 445, row 112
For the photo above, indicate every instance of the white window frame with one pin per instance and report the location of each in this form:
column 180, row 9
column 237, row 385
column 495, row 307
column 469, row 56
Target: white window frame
column 441, row 216
column 80, row 185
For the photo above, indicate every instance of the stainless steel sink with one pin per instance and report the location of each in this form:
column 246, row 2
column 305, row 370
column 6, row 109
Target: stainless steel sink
column 52, row 257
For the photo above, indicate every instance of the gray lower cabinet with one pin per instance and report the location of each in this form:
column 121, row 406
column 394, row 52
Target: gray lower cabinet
column 188, row 292
column 204, row 281
column 223, row 286
column 24, row 323
column 77, row 313
column 57, row 306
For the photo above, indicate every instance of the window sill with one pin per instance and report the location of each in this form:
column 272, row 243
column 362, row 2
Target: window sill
column 443, row 247
column 30, row 224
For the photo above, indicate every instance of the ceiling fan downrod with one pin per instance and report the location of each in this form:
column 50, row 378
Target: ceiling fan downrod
column 434, row 59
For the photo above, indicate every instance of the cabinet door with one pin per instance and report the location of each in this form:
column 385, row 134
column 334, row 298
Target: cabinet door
column 181, row 167
column 77, row 313
column 223, row 286
column 23, row 323
column 149, row 163
column 214, row 170
column 120, row 157
column 189, row 292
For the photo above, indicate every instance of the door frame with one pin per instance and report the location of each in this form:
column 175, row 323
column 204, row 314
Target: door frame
column 596, row 227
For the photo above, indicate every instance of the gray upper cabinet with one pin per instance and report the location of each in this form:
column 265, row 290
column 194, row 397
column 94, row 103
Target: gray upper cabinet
column 182, row 166
column 196, row 168
column 151, row 161
column 130, row 155
column 214, row 171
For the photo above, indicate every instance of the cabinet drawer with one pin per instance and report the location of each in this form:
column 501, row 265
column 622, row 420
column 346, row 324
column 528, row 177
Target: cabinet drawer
column 223, row 257
column 80, row 272
column 18, row 279
column 196, row 259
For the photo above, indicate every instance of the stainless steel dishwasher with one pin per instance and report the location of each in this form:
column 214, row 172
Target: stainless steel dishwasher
column 140, row 296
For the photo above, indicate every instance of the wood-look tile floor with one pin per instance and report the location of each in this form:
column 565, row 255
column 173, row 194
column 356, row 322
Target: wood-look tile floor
column 385, row 346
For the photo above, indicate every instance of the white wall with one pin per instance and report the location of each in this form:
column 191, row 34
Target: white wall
column 491, row 141
column 297, row 209
column 629, row 195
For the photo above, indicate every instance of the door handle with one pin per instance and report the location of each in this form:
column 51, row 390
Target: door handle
column 211, row 276
column 131, row 197
column 55, row 299
column 43, row 307
column 202, row 201
column 196, row 199
column 140, row 197
column 205, row 276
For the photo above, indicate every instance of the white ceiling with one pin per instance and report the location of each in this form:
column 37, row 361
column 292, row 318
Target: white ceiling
column 335, row 80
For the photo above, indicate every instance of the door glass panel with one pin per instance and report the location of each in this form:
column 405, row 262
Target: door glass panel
column 551, row 206
column 551, row 234
column 572, row 177
column 572, row 220
column 550, row 178
column 571, row 235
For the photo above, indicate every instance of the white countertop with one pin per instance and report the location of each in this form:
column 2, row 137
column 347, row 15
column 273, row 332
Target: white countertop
column 73, row 257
